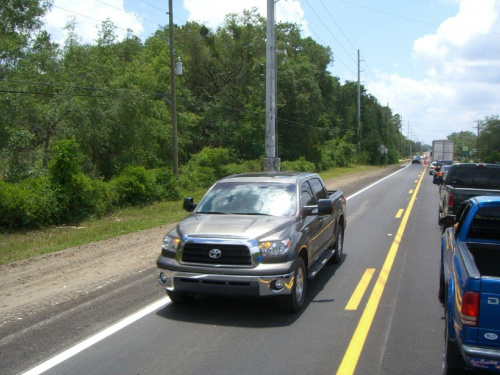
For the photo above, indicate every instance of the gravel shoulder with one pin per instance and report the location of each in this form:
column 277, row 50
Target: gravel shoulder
column 33, row 285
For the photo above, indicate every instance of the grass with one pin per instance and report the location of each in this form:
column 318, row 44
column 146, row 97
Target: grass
column 332, row 173
column 26, row 244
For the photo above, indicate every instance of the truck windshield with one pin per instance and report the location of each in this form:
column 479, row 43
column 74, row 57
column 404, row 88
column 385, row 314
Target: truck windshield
column 247, row 198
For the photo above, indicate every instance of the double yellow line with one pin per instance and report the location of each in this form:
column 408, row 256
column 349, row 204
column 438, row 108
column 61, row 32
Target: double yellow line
column 351, row 356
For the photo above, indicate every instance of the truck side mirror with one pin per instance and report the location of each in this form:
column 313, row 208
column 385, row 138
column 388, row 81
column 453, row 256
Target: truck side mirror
column 447, row 221
column 437, row 180
column 189, row 204
column 325, row 207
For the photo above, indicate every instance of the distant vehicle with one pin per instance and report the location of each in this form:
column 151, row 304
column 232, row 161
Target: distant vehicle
column 438, row 166
column 443, row 149
column 469, row 286
column 432, row 166
column 416, row 160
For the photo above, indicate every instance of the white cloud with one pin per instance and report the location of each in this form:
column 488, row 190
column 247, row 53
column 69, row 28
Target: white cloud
column 89, row 15
column 470, row 35
column 212, row 13
column 462, row 61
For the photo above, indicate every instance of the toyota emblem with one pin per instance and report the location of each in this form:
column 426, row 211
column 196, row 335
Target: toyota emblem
column 215, row 253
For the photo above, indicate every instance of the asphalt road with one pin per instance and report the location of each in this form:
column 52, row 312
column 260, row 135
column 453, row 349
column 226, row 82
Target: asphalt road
column 395, row 327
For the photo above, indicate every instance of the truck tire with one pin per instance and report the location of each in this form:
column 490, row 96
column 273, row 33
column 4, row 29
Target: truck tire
column 441, row 285
column 179, row 298
column 339, row 245
column 295, row 301
column 453, row 362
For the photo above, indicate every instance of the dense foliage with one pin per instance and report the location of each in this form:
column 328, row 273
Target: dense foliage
column 85, row 128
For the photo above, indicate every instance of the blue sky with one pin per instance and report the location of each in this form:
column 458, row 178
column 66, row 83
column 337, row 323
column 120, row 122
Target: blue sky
column 435, row 62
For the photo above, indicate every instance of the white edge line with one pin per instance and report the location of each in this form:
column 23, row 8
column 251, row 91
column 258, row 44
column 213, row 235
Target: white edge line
column 375, row 183
column 54, row 361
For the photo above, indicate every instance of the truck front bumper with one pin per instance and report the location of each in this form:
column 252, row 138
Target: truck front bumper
column 227, row 283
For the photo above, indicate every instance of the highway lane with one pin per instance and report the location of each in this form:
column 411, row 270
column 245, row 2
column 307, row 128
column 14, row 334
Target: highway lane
column 229, row 336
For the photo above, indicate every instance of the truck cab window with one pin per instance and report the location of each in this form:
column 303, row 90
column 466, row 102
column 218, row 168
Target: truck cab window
column 318, row 189
column 307, row 195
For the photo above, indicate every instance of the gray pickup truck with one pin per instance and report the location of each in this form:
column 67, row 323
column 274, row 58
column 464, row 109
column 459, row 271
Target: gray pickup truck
column 464, row 181
column 257, row 235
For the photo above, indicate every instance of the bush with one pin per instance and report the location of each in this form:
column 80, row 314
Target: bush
column 92, row 198
column 494, row 157
column 136, row 186
column 246, row 166
column 206, row 167
column 32, row 204
column 78, row 196
column 300, row 165
column 337, row 153
column 133, row 186
column 66, row 161
column 166, row 185
column 11, row 205
column 196, row 178
column 392, row 157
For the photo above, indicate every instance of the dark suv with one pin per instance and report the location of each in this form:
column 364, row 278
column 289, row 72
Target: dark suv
column 416, row 160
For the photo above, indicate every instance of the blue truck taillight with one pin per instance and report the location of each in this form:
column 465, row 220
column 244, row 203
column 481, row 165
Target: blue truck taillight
column 469, row 314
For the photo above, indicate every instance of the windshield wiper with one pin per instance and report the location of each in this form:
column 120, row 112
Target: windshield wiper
column 250, row 213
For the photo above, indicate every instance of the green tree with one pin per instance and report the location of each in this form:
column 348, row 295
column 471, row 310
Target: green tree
column 489, row 140
column 19, row 20
column 463, row 139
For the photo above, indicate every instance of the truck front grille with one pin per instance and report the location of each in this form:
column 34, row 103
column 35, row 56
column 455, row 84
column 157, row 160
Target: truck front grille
column 238, row 255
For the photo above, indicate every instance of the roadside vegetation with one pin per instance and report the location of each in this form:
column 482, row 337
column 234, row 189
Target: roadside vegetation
column 23, row 244
column 86, row 130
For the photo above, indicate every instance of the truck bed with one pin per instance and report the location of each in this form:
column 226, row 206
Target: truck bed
column 486, row 257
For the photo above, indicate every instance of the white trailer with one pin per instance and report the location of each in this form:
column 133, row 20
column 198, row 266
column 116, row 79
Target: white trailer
column 443, row 149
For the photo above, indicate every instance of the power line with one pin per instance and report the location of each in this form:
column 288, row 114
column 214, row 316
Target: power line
column 98, row 21
column 146, row 93
column 330, row 32
column 388, row 13
column 163, row 10
column 132, row 14
column 319, row 38
column 338, row 26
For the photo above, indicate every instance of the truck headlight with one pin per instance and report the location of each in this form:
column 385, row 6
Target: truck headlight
column 274, row 248
column 171, row 243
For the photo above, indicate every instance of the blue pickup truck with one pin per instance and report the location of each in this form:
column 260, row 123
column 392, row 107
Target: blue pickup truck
column 470, row 286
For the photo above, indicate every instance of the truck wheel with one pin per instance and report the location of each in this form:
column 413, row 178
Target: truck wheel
column 441, row 285
column 295, row 301
column 453, row 362
column 339, row 245
column 180, row 298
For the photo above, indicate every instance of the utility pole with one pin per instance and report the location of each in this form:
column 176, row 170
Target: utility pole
column 409, row 137
column 173, row 102
column 271, row 162
column 358, row 101
column 477, row 139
